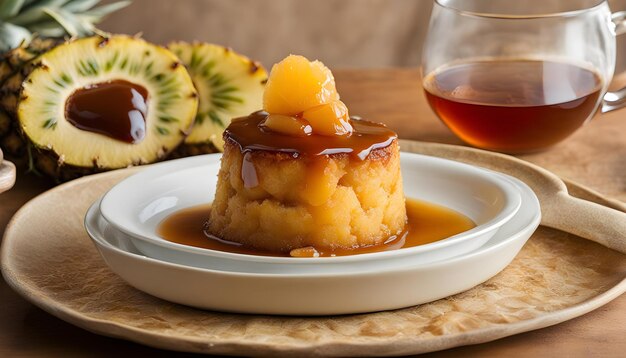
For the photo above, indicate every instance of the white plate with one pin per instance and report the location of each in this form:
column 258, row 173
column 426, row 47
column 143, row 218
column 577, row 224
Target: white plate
column 339, row 292
column 137, row 205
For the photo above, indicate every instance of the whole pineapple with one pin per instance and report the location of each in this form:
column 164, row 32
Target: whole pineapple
column 28, row 29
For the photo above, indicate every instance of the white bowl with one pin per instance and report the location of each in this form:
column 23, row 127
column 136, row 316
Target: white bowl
column 341, row 291
column 137, row 205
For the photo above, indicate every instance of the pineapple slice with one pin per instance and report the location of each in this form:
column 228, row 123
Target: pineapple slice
column 110, row 74
column 229, row 86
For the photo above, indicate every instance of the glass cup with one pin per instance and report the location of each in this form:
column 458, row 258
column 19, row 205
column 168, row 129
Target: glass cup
column 520, row 76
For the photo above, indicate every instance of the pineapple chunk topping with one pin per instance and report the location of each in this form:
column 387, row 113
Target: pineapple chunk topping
column 302, row 100
column 329, row 119
column 289, row 125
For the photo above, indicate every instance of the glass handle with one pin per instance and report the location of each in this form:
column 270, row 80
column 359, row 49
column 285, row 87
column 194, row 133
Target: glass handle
column 616, row 99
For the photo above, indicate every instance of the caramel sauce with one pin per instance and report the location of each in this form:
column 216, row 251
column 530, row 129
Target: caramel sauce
column 426, row 223
column 116, row 109
column 250, row 135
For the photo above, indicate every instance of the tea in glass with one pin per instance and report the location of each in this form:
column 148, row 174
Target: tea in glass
column 513, row 105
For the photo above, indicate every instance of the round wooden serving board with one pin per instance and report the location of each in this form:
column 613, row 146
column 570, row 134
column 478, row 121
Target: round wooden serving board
column 48, row 258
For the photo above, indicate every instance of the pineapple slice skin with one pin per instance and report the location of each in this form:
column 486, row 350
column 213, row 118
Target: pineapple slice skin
column 15, row 65
column 15, row 60
column 229, row 85
column 41, row 110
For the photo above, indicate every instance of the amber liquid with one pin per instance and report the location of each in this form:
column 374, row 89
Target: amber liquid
column 250, row 135
column 426, row 223
column 513, row 106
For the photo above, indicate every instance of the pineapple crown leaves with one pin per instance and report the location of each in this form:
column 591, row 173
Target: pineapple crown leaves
column 19, row 19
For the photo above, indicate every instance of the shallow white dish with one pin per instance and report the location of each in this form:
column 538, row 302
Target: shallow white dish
column 137, row 205
column 340, row 292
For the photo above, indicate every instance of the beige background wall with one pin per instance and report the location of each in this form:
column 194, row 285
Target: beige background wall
column 349, row 33
column 342, row 33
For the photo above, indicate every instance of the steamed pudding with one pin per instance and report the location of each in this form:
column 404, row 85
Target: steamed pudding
column 302, row 175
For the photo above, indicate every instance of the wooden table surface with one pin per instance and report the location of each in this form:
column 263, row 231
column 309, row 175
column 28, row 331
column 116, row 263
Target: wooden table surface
column 595, row 156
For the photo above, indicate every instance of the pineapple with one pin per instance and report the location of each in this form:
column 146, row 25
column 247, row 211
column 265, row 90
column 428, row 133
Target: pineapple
column 110, row 74
column 290, row 95
column 229, row 85
column 329, row 119
column 14, row 66
column 311, row 96
column 28, row 29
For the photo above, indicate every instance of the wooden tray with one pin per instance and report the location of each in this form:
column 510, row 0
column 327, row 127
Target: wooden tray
column 48, row 258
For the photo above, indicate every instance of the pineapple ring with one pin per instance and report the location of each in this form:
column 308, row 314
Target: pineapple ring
column 229, row 86
column 172, row 101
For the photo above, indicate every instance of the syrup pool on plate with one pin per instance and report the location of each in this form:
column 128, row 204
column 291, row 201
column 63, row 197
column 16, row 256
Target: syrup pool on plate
column 427, row 223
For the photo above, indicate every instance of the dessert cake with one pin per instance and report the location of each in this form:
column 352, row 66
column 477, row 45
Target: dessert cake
column 303, row 175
